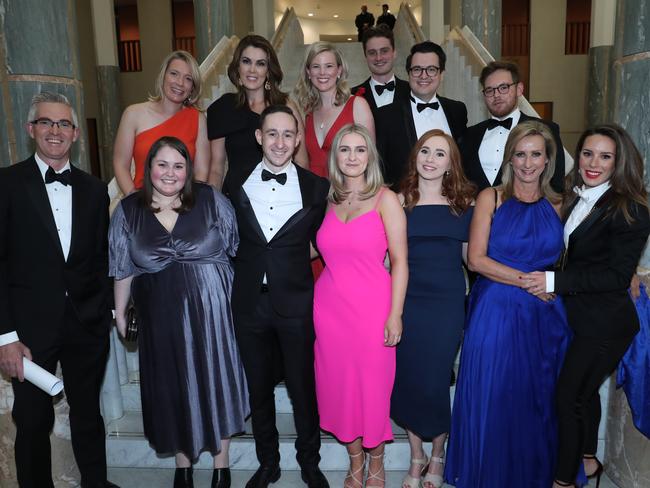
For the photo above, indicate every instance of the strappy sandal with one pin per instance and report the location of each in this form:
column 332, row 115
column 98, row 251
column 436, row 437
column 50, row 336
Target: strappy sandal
column 375, row 475
column 411, row 481
column 436, row 480
column 352, row 475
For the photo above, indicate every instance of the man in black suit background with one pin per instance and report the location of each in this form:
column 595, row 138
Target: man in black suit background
column 363, row 21
column 483, row 144
column 279, row 208
column 382, row 87
column 399, row 125
column 386, row 18
column 54, row 293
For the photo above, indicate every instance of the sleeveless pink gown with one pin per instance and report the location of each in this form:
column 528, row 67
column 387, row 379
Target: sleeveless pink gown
column 352, row 299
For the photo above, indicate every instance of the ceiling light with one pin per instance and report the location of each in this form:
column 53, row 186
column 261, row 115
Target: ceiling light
column 336, row 16
column 310, row 14
column 349, row 38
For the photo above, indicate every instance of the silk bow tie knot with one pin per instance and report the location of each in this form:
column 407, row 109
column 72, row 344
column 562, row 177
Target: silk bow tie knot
column 494, row 123
column 585, row 194
column 64, row 177
column 422, row 106
column 279, row 177
column 390, row 86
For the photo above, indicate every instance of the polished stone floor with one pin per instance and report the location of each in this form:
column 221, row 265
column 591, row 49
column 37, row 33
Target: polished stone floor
column 154, row 478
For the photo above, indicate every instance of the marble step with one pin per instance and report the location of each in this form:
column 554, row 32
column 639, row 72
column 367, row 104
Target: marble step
column 131, row 397
column 126, row 447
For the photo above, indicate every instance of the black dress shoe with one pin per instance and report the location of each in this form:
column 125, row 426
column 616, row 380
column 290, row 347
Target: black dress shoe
column 221, row 478
column 314, row 477
column 183, row 478
column 264, row 476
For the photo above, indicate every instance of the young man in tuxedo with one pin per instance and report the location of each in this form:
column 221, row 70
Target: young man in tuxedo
column 399, row 125
column 382, row 87
column 54, row 293
column 279, row 208
column 483, row 144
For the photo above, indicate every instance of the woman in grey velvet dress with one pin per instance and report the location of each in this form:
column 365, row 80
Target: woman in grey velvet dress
column 173, row 242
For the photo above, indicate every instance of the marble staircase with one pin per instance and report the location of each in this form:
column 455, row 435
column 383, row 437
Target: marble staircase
column 128, row 448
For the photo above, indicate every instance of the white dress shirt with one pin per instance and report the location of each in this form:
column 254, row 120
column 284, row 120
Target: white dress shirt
column 429, row 118
column 387, row 96
column 272, row 202
column 60, row 197
column 587, row 199
column 490, row 152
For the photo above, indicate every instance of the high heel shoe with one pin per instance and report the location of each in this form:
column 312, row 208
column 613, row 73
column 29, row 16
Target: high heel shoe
column 411, row 481
column 599, row 469
column 562, row 483
column 183, row 478
column 435, row 479
column 220, row 478
column 376, row 475
column 356, row 481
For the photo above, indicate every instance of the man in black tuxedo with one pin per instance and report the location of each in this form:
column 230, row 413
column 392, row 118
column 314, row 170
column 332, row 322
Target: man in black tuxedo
column 399, row 125
column 383, row 87
column 279, row 208
column 363, row 21
column 54, row 293
column 386, row 18
column 483, row 144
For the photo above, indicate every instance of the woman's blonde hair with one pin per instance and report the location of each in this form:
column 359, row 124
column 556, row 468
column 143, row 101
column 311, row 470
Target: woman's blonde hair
column 307, row 96
column 525, row 129
column 193, row 99
column 374, row 178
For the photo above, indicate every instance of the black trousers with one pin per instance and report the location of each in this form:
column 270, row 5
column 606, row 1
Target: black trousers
column 83, row 360
column 264, row 337
column 588, row 362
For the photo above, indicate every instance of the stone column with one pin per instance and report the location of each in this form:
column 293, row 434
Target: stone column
column 213, row 19
column 433, row 20
column 108, row 72
column 627, row 450
column 264, row 18
column 39, row 52
column 603, row 15
column 483, row 17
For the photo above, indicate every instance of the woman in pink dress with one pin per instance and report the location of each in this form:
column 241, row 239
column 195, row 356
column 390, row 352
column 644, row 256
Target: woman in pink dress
column 358, row 304
column 172, row 111
column 324, row 96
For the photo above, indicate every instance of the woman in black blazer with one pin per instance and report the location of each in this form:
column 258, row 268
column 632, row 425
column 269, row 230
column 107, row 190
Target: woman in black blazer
column 606, row 227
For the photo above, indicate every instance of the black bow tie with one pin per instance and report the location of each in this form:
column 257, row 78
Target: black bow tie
column 422, row 106
column 280, row 177
column 390, row 86
column 505, row 123
column 63, row 178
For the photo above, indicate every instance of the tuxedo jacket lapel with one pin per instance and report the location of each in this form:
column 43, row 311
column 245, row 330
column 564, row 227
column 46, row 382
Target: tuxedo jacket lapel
column 409, row 123
column 249, row 213
column 598, row 210
column 38, row 196
column 307, row 194
column 78, row 197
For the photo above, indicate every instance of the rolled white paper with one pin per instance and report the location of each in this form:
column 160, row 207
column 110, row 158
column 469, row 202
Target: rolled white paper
column 42, row 378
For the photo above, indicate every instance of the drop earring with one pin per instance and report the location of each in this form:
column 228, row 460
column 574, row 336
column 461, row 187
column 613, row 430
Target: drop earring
column 267, row 85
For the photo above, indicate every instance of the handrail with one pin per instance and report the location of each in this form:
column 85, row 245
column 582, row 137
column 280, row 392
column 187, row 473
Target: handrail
column 218, row 58
column 412, row 23
column 283, row 27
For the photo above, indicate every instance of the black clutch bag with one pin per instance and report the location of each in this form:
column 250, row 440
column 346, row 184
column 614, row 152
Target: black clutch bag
column 131, row 324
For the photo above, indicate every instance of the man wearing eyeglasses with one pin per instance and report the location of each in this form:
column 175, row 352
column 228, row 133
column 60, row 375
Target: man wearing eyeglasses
column 398, row 126
column 54, row 293
column 483, row 144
